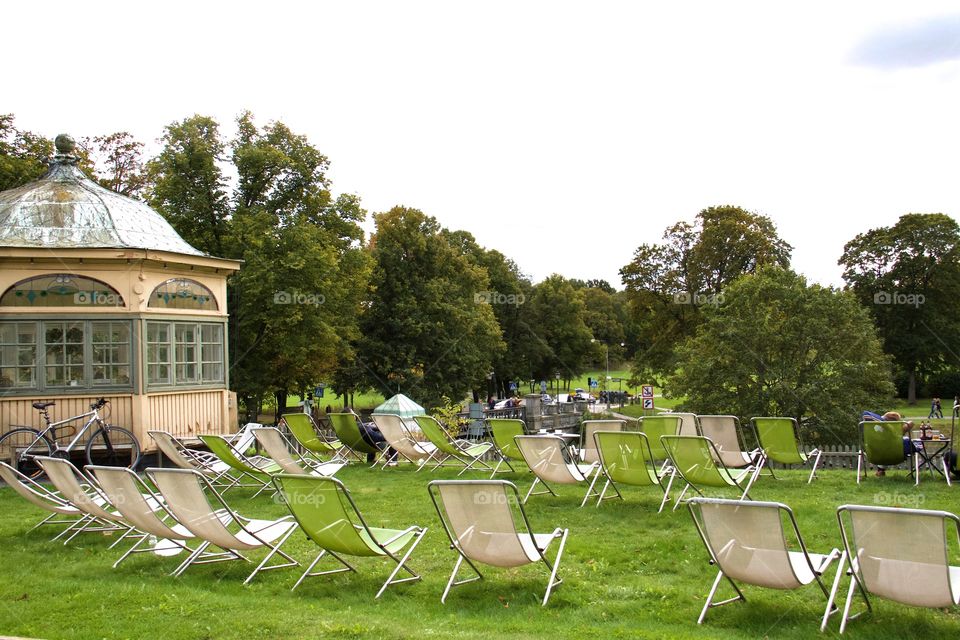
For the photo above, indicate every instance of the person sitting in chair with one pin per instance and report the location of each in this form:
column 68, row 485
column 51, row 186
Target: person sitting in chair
column 891, row 416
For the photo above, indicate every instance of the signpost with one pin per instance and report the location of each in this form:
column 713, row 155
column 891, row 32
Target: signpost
column 646, row 396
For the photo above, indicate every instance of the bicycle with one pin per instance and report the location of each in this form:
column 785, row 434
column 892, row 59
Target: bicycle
column 108, row 446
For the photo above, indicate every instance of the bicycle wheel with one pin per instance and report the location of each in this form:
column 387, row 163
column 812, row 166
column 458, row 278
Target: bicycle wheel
column 19, row 446
column 113, row 447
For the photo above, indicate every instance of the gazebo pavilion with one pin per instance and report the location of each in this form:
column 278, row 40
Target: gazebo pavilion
column 100, row 297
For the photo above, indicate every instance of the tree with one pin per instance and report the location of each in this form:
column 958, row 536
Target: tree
column 668, row 283
column 556, row 312
column 425, row 331
column 118, row 163
column 778, row 346
column 908, row 275
column 188, row 186
column 23, row 155
column 298, row 295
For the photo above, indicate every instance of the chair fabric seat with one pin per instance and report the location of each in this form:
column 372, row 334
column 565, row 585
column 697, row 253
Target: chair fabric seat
column 267, row 530
column 381, row 535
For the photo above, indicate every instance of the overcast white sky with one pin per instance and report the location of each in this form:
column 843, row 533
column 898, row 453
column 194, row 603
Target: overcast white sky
column 564, row 134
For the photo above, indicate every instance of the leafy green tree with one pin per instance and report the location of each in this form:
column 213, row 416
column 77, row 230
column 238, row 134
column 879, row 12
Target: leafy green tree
column 118, row 164
column 425, row 332
column 304, row 275
column 908, row 275
column 669, row 283
column 188, row 185
column 23, row 155
column 778, row 346
column 557, row 314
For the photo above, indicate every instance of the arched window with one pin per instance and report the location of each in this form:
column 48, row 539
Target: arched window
column 182, row 293
column 61, row 290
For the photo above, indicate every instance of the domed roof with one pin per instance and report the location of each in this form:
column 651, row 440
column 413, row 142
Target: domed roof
column 66, row 210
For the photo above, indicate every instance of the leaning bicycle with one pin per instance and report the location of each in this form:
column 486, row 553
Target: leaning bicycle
column 109, row 445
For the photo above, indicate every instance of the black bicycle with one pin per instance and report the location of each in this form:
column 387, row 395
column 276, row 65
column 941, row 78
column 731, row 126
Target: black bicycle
column 109, row 445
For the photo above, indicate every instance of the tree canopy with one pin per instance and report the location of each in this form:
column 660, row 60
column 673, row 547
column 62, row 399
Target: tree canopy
column 778, row 346
column 908, row 275
column 425, row 331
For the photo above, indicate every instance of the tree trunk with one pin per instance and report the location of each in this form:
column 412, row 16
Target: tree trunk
column 281, row 400
column 912, row 387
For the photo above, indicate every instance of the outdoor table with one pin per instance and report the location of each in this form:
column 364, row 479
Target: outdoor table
column 928, row 450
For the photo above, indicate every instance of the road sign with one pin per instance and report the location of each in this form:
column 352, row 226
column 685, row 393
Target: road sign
column 513, row 386
column 648, row 403
column 646, row 391
column 594, row 384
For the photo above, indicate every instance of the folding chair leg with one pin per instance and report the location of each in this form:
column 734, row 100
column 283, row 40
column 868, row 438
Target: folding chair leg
column 680, row 497
column 816, row 462
column 402, row 564
column 456, row 569
column 713, row 591
column 859, row 465
column 831, row 609
column 275, row 550
column 536, row 481
column 309, row 572
column 946, row 470
column 553, row 571
column 590, row 491
column 916, row 470
column 753, row 478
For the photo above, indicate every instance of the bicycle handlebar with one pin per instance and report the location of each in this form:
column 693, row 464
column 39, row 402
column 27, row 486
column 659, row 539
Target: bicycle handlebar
column 99, row 403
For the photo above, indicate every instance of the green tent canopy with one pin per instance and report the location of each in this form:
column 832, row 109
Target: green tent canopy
column 402, row 406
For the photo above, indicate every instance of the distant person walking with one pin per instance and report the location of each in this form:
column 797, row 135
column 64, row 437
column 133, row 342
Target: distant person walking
column 936, row 409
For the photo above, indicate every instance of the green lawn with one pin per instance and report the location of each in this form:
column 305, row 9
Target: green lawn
column 628, row 572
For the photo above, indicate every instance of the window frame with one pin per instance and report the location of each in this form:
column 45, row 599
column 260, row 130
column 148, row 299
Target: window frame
column 88, row 386
column 172, row 362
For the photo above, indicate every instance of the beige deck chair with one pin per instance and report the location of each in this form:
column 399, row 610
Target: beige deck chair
column 548, row 459
column 746, row 541
column 135, row 501
column 284, row 454
column 185, row 494
column 688, row 424
column 76, row 488
column 478, row 516
column 39, row 496
column 588, row 446
column 897, row 554
column 397, row 435
column 186, row 458
column 727, row 438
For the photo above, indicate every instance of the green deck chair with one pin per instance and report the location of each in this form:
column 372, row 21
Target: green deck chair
column 463, row 451
column 327, row 514
column 258, row 468
column 588, row 450
column 695, row 459
column 348, row 432
column 503, row 431
column 626, row 458
column 779, row 439
column 656, row 426
column 305, row 431
column 881, row 444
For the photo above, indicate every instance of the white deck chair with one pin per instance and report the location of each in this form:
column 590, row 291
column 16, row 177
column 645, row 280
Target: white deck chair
column 588, row 446
column 284, row 454
column 897, row 554
column 39, row 496
column 478, row 516
column 76, row 488
column 397, row 435
column 186, row 458
column 746, row 541
column 135, row 501
column 726, row 435
column 547, row 458
column 185, row 494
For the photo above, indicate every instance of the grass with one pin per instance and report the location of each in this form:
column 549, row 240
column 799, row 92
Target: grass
column 628, row 572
